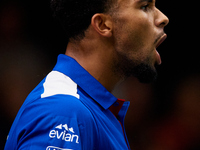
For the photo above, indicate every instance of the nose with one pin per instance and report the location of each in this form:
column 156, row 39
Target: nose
column 161, row 20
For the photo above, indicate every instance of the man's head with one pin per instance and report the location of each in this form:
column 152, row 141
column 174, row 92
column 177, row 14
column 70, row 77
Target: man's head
column 134, row 28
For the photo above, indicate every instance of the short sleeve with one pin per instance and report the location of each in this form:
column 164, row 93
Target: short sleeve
column 55, row 126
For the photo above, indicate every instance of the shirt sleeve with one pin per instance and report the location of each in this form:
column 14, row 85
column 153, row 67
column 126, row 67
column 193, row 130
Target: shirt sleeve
column 51, row 133
column 56, row 126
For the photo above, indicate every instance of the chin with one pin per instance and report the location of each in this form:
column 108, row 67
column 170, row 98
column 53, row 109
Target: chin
column 144, row 71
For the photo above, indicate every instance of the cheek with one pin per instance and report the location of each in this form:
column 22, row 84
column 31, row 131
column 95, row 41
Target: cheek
column 142, row 38
column 134, row 37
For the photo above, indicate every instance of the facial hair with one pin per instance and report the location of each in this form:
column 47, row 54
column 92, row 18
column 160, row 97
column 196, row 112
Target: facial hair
column 126, row 67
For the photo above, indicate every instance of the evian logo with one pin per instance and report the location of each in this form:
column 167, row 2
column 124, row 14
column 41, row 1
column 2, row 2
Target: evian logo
column 63, row 132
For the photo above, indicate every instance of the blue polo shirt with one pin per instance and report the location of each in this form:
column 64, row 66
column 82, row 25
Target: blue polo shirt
column 69, row 110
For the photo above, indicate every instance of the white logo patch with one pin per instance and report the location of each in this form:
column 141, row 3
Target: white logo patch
column 63, row 132
column 58, row 83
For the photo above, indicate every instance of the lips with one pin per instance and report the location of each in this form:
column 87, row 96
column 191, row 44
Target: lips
column 161, row 40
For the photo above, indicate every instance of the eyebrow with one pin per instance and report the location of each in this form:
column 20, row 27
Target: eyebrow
column 150, row 1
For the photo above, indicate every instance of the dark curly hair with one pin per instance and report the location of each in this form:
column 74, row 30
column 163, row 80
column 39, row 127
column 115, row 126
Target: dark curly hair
column 75, row 15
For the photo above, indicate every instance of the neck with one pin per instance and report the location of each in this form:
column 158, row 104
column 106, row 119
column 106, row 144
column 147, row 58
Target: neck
column 97, row 58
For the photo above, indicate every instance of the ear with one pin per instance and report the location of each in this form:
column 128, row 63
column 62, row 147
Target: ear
column 102, row 23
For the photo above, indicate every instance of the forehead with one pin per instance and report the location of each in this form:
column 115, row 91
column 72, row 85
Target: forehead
column 135, row 1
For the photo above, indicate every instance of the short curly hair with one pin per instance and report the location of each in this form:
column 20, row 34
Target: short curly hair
column 75, row 15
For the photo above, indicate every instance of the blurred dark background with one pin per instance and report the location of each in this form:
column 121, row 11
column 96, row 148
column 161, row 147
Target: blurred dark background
column 164, row 115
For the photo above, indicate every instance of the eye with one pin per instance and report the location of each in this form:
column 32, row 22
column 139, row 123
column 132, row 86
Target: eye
column 145, row 7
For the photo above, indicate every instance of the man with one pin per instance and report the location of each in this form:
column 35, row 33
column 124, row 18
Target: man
column 73, row 108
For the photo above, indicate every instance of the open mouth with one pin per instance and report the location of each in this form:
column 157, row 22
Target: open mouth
column 161, row 40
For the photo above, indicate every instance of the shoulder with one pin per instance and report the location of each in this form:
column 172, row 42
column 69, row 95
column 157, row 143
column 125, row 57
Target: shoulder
column 57, row 94
column 54, row 112
column 58, row 105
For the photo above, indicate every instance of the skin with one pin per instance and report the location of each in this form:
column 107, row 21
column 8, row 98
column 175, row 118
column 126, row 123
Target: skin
column 118, row 41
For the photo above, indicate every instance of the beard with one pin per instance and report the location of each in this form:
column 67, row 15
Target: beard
column 143, row 71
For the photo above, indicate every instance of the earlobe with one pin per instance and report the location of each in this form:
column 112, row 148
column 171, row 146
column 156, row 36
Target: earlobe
column 102, row 24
